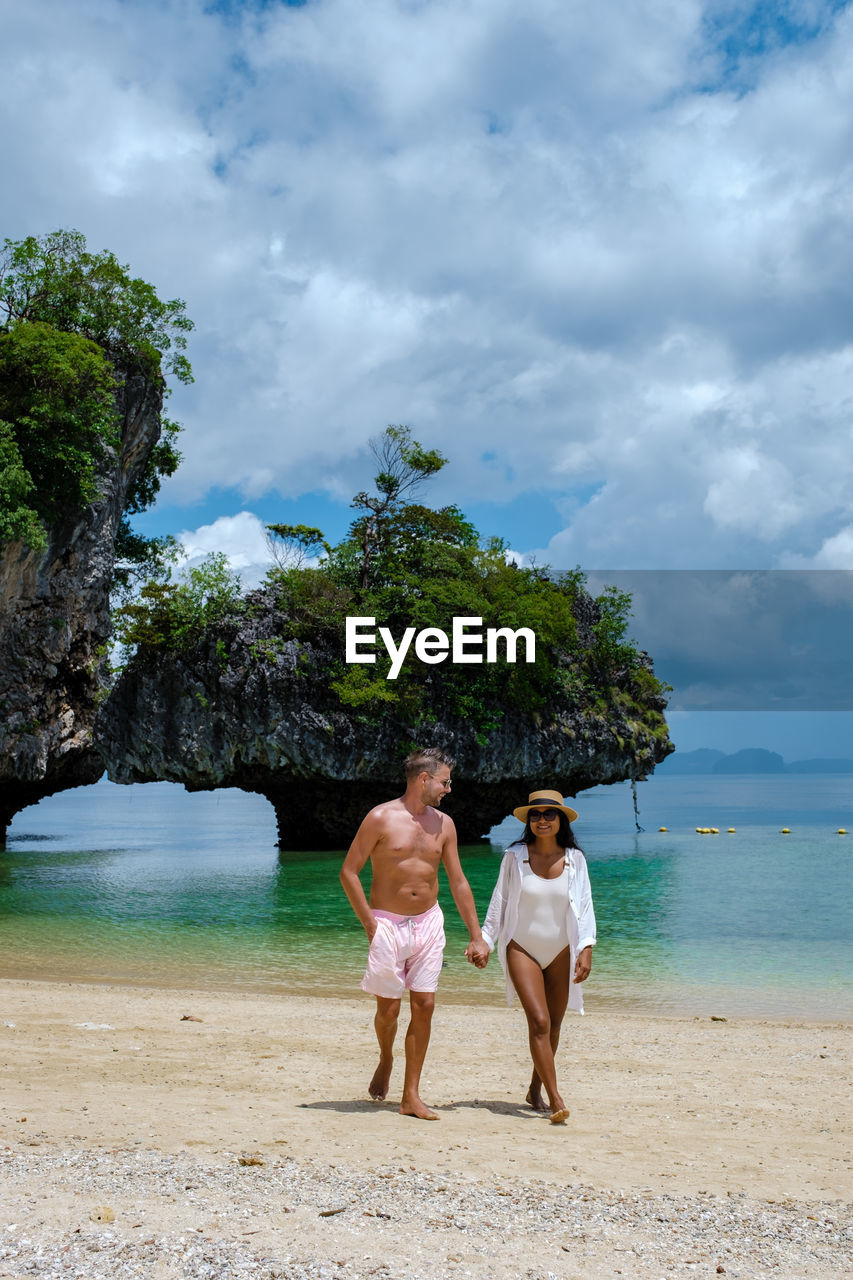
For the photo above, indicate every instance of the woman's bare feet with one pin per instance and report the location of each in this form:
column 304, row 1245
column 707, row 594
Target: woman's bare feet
column 378, row 1087
column 559, row 1110
column 535, row 1100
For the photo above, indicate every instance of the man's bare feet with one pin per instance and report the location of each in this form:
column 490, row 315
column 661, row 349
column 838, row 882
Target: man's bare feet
column 414, row 1107
column 378, row 1087
column 535, row 1100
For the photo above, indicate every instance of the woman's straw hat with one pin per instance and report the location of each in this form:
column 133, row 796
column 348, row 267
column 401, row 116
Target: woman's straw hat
column 544, row 800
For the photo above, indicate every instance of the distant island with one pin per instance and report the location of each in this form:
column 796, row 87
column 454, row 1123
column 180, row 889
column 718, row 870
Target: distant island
column 749, row 760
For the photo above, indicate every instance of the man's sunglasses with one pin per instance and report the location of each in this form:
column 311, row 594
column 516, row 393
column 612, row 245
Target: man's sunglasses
column 534, row 815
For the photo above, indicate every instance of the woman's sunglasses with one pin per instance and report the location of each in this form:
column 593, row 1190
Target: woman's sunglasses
column 534, row 815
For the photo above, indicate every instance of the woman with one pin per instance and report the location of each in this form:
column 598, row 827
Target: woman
column 542, row 920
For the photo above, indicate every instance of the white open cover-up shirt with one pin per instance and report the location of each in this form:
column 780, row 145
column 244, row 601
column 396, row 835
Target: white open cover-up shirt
column 502, row 915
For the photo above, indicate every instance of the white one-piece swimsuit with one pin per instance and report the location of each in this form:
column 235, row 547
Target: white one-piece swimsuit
column 543, row 915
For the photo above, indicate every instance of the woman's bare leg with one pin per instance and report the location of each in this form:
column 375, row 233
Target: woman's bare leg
column 529, row 981
column 557, row 998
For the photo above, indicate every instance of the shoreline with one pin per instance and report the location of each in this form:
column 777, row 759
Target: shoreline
column 726, row 1003
column 143, row 1102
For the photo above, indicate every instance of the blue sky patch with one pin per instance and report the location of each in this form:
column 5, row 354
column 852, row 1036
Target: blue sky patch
column 743, row 35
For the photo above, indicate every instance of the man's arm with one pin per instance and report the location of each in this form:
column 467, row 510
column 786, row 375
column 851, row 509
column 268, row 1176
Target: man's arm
column 357, row 855
column 477, row 950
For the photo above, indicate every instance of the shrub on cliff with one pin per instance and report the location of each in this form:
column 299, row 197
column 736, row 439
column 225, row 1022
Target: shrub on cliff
column 73, row 326
column 57, row 392
column 174, row 615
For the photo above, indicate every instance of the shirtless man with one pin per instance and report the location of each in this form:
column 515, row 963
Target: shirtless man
column 405, row 840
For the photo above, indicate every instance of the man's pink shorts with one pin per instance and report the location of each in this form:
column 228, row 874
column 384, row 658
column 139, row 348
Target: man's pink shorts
column 405, row 953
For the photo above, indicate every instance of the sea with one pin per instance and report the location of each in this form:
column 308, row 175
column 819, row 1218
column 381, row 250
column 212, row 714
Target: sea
column 151, row 885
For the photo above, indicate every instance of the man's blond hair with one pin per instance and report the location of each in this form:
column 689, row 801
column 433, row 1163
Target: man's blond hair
column 426, row 760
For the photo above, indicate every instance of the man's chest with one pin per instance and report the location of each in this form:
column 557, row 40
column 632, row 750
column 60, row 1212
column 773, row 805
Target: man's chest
column 415, row 844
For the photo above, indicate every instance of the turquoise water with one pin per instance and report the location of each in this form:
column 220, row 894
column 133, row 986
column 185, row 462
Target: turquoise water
column 152, row 885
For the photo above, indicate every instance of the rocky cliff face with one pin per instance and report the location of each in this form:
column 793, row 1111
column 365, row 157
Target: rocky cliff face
column 54, row 625
column 247, row 709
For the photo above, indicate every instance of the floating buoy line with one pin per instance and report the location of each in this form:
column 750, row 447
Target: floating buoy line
column 715, row 831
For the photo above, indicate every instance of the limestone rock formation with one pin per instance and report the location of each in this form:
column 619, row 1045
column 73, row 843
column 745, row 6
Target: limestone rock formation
column 54, row 625
column 249, row 709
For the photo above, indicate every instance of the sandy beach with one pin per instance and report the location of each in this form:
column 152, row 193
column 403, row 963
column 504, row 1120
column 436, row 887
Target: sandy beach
column 200, row 1134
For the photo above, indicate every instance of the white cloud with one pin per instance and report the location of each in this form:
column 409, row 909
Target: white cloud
column 834, row 553
column 752, row 493
column 241, row 538
column 555, row 235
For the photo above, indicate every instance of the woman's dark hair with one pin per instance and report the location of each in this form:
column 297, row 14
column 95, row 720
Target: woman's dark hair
column 565, row 837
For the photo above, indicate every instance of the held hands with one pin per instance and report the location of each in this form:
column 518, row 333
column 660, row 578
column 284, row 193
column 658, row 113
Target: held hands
column 583, row 964
column 477, row 953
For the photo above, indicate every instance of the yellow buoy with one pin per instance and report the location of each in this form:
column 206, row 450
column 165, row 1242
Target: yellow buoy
column 663, row 828
column 842, row 831
column 786, row 831
column 715, row 831
column 731, row 831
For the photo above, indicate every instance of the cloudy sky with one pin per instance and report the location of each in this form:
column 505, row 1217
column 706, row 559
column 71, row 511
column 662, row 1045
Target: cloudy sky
column 599, row 255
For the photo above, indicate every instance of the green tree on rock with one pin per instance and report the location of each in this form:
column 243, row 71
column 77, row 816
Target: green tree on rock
column 74, row 327
column 403, row 466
